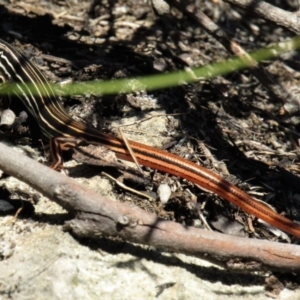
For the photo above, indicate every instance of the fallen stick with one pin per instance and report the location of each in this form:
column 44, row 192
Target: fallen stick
column 95, row 215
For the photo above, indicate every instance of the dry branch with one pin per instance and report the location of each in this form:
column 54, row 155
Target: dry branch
column 97, row 215
column 269, row 12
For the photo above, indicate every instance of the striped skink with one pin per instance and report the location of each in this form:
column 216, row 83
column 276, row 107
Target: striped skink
column 65, row 133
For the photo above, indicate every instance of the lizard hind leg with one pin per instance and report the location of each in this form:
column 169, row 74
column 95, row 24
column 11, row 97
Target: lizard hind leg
column 57, row 146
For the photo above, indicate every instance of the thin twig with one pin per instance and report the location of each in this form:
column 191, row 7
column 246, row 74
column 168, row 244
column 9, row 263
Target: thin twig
column 125, row 187
column 125, row 140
